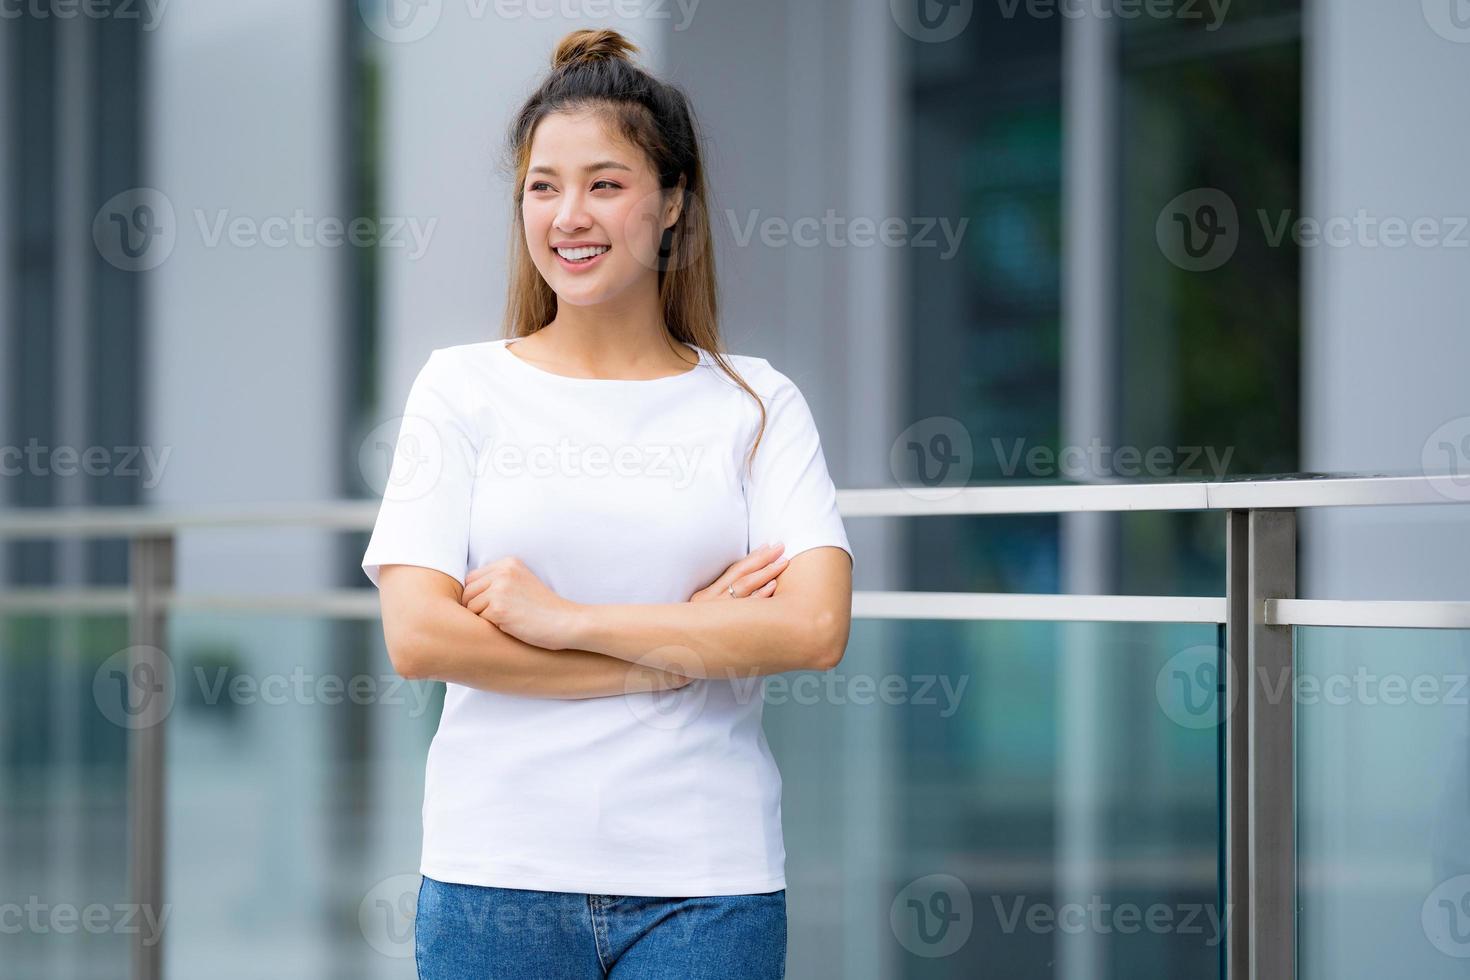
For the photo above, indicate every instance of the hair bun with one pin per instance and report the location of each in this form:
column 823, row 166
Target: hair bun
column 584, row 46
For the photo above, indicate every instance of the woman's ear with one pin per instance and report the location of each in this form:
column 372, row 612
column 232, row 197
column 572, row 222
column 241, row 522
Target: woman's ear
column 675, row 208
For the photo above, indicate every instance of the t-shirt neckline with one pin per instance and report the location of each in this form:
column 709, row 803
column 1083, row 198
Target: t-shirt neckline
column 526, row 366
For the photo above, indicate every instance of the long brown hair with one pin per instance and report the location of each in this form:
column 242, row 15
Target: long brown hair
column 591, row 70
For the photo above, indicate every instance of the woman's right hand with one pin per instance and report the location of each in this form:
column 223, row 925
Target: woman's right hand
column 753, row 576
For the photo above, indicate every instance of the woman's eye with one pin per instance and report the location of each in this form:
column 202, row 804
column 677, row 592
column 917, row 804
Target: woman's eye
column 607, row 182
column 538, row 185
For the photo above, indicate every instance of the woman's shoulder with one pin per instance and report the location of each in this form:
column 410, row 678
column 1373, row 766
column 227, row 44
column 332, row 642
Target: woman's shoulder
column 759, row 373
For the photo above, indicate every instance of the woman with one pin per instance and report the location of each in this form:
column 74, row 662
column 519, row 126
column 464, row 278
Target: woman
column 569, row 518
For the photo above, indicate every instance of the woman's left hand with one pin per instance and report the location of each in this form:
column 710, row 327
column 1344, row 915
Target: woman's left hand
column 509, row 594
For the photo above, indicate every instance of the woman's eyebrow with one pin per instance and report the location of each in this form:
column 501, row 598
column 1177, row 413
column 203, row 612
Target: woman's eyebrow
column 600, row 165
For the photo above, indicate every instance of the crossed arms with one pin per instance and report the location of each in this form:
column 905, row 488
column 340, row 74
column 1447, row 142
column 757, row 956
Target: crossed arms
column 506, row 631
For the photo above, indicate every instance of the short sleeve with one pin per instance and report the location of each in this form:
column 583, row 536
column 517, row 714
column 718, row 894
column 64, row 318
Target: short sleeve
column 789, row 495
column 424, row 518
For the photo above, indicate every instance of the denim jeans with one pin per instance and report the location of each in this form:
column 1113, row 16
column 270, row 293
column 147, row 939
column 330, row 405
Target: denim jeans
column 489, row 933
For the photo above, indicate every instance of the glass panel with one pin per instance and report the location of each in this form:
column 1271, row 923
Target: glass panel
column 1383, row 803
column 63, row 804
column 295, row 772
column 1011, row 770
column 1019, row 800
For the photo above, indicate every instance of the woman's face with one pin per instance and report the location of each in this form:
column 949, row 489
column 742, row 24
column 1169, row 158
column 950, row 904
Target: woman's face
column 590, row 193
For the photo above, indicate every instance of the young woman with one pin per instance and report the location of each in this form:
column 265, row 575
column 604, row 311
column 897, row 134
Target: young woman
column 566, row 542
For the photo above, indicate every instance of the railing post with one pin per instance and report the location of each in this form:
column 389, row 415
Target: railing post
column 1236, row 719
column 151, row 576
column 1272, row 750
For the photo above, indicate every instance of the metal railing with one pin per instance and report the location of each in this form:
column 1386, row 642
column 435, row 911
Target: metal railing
column 1258, row 610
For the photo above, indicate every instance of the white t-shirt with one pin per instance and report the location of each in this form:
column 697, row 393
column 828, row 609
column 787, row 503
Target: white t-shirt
column 610, row 491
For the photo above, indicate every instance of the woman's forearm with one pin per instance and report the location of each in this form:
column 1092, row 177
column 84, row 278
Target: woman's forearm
column 711, row 639
column 453, row 644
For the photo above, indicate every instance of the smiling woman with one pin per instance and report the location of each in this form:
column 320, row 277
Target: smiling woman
column 572, row 510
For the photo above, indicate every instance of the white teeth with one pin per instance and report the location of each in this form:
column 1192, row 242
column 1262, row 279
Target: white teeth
column 586, row 252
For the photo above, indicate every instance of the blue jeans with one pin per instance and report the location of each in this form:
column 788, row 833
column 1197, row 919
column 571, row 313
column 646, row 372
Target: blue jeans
column 487, row 933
